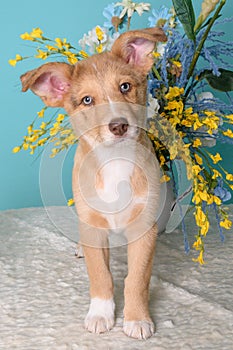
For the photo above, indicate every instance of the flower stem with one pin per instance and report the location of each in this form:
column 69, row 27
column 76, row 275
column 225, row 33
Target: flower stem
column 156, row 73
column 203, row 39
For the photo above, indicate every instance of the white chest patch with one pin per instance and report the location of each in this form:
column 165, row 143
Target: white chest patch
column 115, row 194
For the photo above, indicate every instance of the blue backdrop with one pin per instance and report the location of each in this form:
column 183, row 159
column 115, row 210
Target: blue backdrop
column 19, row 173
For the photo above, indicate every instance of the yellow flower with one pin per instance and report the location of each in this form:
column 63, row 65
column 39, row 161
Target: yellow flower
column 177, row 64
column 211, row 122
column 62, row 43
column 99, row 48
column 36, row 33
column 230, row 117
column 41, row 113
column 226, row 224
column 196, row 169
column 197, row 143
column 41, row 54
column 33, row 138
column 173, row 151
column 229, row 177
column 42, row 141
column 99, row 33
column 72, row 59
column 198, row 159
column 26, row 36
column 16, row 149
column 33, row 147
column 162, row 160
column 216, row 174
column 51, row 48
column 217, row 200
column 174, row 92
column 55, row 151
column 197, row 124
column 43, row 125
column 13, row 62
column 228, row 133
column 83, row 54
column 164, row 178
column 156, row 54
column 60, row 118
column 203, row 195
column 216, row 158
column 188, row 111
column 25, row 146
column 202, row 221
column 205, row 228
column 177, row 105
column 200, row 258
column 200, row 216
column 29, row 128
column 198, row 244
column 70, row 202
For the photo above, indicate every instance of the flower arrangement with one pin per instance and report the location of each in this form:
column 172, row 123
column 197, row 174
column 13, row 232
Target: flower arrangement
column 186, row 67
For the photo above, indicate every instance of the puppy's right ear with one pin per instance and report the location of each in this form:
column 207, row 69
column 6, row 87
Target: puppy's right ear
column 51, row 82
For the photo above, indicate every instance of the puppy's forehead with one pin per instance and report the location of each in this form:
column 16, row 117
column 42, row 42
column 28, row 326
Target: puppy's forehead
column 101, row 66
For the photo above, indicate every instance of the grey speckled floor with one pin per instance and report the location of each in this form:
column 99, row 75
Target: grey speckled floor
column 44, row 289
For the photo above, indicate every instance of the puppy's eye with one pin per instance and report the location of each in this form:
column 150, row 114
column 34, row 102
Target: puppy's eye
column 125, row 87
column 87, row 100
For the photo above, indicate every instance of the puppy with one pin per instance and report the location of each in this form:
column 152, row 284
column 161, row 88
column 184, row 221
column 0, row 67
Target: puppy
column 116, row 174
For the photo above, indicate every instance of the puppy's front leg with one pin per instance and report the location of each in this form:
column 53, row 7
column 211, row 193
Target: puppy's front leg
column 137, row 321
column 100, row 317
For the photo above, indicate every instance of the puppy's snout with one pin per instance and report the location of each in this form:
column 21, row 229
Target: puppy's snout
column 118, row 126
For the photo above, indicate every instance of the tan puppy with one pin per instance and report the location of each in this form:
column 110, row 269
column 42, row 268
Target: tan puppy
column 105, row 95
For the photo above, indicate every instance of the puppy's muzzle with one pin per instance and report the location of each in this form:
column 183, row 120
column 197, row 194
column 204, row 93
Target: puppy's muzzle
column 118, row 127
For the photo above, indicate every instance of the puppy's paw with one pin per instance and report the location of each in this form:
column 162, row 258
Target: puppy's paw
column 100, row 317
column 79, row 251
column 139, row 329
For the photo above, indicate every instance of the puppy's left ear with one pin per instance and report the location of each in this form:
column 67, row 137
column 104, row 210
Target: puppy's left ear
column 136, row 46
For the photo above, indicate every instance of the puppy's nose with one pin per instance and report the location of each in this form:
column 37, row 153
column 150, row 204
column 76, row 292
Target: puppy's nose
column 118, row 126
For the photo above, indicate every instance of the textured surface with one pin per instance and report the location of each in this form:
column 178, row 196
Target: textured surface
column 44, row 289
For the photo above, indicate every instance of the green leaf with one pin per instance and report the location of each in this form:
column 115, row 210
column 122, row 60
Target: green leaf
column 185, row 13
column 222, row 83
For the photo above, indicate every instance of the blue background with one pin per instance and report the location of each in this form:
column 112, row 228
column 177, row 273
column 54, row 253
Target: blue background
column 19, row 173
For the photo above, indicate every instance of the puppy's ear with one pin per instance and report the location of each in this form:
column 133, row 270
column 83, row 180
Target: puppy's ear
column 136, row 46
column 50, row 82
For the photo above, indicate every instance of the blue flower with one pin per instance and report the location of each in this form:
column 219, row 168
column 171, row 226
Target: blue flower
column 152, row 85
column 159, row 17
column 112, row 11
column 222, row 192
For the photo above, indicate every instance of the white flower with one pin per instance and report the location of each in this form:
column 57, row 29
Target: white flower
column 203, row 96
column 153, row 107
column 130, row 7
column 160, row 48
column 91, row 40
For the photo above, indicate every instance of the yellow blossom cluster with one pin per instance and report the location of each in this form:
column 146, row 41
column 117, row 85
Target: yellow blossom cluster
column 100, row 37
column 56, row 131
column 202, row 167
column 49, row 47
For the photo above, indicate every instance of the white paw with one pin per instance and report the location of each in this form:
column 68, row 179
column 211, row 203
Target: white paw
column 139, row 329
column 79, row 251
column 100, row 317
